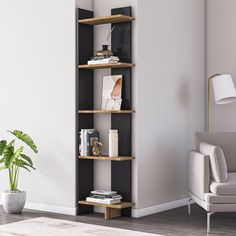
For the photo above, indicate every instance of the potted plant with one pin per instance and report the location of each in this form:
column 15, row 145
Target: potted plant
column 13, row 159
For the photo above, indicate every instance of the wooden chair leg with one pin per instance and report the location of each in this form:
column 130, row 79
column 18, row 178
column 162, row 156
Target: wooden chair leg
column 111, row 213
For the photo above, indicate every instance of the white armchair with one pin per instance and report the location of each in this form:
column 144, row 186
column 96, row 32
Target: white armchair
column 213, row 195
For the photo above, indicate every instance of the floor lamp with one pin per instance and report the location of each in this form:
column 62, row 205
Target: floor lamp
column 224, row 91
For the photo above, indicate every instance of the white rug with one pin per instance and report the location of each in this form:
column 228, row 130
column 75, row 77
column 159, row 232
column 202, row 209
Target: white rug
column 43, row 226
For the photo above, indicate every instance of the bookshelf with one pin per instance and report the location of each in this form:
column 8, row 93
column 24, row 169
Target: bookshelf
column 121, row 171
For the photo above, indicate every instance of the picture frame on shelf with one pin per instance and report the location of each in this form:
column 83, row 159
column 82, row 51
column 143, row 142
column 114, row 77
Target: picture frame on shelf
column 112, row 92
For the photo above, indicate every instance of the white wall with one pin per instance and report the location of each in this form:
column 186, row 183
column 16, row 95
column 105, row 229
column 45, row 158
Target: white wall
column 37, row 94
column 84, row 4
column 221, row 56
column 170, row 95
column 38, row 59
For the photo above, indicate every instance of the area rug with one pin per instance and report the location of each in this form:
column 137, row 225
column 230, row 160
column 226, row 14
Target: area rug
column 44, row 226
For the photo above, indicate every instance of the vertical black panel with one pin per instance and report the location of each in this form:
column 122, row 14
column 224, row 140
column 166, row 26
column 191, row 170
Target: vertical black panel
column 122, row 46
column 84, row 100
column 122, row 36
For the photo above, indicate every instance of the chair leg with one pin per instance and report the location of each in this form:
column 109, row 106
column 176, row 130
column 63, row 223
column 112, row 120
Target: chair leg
column 189, row 206
column 209, row 221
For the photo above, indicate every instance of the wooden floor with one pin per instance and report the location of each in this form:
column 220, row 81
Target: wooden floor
column 174, row 222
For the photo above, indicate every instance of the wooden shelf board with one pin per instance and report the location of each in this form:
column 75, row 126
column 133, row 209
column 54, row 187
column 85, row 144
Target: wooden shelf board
column 120, row 205
column 106, row 19
column 108, row 65
column 107, row 158
column 104, row 111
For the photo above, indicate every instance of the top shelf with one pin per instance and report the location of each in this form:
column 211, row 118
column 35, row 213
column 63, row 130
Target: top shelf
column 107, row 20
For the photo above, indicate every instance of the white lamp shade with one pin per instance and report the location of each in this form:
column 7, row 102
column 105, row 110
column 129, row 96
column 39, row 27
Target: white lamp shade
column 224, row 89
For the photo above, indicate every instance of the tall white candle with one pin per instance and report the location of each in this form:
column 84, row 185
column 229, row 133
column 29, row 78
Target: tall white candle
column 113, row 143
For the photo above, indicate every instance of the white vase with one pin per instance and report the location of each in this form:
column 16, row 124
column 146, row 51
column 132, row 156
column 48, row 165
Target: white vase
column 113, row 143
column 13, row 202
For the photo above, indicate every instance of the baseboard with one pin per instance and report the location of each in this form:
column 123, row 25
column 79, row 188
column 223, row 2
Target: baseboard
column 49, row 208
column 136, row 213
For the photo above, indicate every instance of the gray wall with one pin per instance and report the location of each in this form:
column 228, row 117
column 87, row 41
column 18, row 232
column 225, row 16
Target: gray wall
column 221, row 56
column 170, row 95
column 37, row 58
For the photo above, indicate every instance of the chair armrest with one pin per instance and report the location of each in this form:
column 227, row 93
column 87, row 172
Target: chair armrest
column 198, row 173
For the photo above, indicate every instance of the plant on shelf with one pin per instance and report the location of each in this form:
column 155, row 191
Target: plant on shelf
column 13, row 159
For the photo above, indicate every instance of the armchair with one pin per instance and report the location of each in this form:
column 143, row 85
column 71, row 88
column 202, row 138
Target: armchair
column 213, row 196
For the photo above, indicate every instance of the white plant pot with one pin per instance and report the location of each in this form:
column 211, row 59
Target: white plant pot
column 13, row 202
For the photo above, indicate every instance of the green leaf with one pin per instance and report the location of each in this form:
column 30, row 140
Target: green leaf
column 10, row 156
column 32, row 167
column 25, row 138
column 28, row 159
column 22, row 164
column 2, row 160
column 18, row 152
column 12, row 143
column 3, row 145
column 25, row 168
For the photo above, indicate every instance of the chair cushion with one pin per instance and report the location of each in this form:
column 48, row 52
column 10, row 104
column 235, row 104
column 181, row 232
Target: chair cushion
column 228, row 188
column 219, row 199
column 217, row 160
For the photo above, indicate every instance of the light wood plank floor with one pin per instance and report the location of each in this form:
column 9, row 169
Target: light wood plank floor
column 170, row 223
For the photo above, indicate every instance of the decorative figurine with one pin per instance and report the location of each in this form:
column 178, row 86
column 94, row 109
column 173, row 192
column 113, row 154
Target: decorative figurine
column 97, row 148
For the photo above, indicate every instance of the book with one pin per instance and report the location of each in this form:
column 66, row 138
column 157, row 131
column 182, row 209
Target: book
column 117, row 196
column 105, row 61
column 104, row 57
column 101, row 60
column 87, row 138
column 103, row 201
column 103, row 192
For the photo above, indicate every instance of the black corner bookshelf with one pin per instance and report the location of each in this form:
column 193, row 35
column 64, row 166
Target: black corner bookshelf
column 121, row 46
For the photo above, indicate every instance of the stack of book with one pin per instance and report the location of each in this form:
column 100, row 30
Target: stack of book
column 105, row 197
column 87, row 138
column 103, row 60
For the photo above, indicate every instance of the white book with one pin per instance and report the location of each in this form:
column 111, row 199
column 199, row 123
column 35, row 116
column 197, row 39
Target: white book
column 103, row 201
column 103, row 192
column 101, row 62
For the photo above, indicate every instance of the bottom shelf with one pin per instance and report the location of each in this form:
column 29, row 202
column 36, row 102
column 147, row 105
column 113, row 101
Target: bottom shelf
column 111, row 210
column 120, row 205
